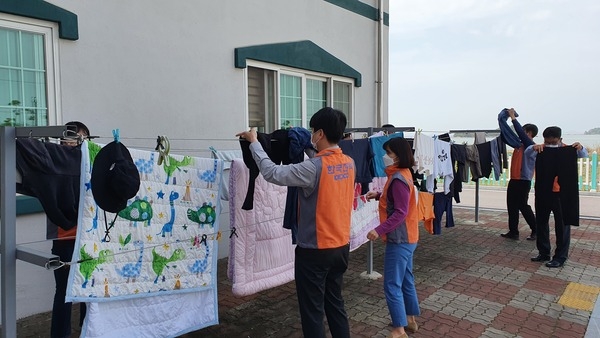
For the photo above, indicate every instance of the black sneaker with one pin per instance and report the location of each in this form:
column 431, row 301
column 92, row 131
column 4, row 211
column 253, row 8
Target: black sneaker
column 554, row 264
column 531, row 237
column 540, row 258
column 510, row 235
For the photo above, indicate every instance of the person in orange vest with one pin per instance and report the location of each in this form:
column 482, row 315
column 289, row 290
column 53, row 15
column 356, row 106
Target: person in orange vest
column 63, row 245
column 562, row 200
column 521, row 174
column 399, row 229
column 325, row 198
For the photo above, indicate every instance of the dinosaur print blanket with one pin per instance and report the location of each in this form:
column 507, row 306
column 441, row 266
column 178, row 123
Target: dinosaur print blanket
column 164, row 241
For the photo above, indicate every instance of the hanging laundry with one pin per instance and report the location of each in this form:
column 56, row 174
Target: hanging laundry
column 156, row 255
column 227, row 156
column 51, row 173
column 485, row 158
column 151, row 245
column 361, row 152
column 299, row 140
column 426, row 214
column 378, row 152
column 496, row 159
column 276, row 145
column 458, row 154
column 261, row 256
column 424, row 154
column 442, row 203
column 473, row 162
column 442, row 166
column 506, row 133
column 558, row 166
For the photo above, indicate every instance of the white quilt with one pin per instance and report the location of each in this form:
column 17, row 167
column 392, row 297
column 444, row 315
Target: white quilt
column 160, row 254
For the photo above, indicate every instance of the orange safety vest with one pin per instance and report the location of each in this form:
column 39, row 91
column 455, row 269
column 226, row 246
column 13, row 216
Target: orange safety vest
column 324, row 216
column 408, row 231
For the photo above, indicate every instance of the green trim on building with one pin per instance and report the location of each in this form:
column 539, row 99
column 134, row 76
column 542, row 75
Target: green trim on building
column 28, row 205
column 38, row 9
column 300, row 54
column 361, row 8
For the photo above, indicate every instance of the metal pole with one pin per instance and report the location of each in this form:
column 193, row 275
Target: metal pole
column 477, row 201
column 8, row 210
column 594, row 171
column 370, row 258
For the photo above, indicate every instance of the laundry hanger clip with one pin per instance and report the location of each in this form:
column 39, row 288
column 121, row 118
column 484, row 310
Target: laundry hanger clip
column 233, row 232
column 163, row 147
column 116, row 136
column 203, row 240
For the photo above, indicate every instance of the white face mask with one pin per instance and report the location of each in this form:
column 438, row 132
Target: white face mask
column 314, row 143
column 387, row 161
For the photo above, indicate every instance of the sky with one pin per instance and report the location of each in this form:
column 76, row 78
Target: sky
column 454, row 64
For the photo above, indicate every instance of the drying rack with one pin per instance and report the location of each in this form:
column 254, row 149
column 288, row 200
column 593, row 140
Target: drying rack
column 10, row 251
column 473, row 131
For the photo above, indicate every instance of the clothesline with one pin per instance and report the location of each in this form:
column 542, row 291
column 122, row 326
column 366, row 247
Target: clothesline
column 254, row 224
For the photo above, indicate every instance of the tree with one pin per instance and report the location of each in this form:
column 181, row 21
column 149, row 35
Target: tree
column 12, row 121
column 593, row 131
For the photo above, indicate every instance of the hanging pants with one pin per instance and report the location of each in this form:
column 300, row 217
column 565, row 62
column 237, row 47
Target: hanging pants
column 556, row 165
column 442, row 203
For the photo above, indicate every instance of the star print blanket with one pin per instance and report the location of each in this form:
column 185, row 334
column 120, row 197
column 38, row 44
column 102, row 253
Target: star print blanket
column 162, row 247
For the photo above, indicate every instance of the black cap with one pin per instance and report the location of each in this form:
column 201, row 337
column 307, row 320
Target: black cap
column 115, row 178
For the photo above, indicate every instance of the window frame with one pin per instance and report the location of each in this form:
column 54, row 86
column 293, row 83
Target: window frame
column 329, row 79
column 50, row 33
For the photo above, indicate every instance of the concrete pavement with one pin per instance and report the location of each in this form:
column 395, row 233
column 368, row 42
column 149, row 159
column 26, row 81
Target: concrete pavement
column 471, row 283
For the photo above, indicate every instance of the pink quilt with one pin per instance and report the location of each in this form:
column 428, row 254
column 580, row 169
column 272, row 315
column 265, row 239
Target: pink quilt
column 261, row 256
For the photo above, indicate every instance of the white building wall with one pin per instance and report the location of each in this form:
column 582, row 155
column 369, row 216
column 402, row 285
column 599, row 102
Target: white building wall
column 157, row 67
column 152, row 67
column 35, row 284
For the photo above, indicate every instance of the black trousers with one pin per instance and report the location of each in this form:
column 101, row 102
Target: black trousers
column 562, row 231
column 319, row 277
column 517, row 197
column 61, row 311
column 442, row 203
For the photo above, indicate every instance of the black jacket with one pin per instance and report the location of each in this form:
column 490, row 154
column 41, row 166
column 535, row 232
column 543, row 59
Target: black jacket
column 51, row 173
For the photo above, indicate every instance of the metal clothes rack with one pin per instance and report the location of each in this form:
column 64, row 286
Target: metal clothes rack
column 473, row 131
column 9, row 250
column 370, row 274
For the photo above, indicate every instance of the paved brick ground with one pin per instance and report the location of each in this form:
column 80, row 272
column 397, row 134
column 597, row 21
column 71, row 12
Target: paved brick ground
column 471, row 283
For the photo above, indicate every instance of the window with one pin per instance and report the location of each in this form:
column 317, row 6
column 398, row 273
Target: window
column 342, row 96
column 282, row 98
column 27, row 88
column 290, row 101
column 316, row 97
